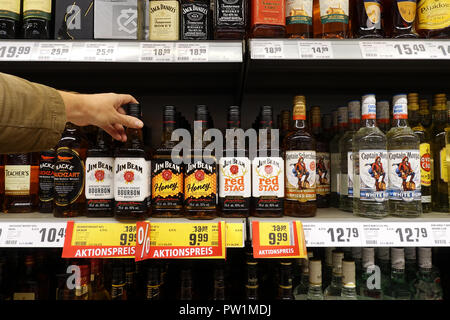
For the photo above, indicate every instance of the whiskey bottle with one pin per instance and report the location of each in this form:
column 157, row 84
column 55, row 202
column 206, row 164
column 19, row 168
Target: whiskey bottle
column 252, row 284
column 200, row 173
column 331, row 19
column 285, row 291
column 131, row 173
column 268, row 19
column 118, row 283
column 186, row 292
column 433, row 19
column 99, row 189
column 403, row 163
column 341, row 182
column 403, row 18
column 301, row 290
column 153, row 291
column 427, row 285
column 234, row 170
column 300, row 160
column 348, row 281
column 326, row 125
column 130, row 279
column 410, row 264
column 167, row 176
column 268, row 172
column 299, row 19
column 383, row 116
column 368, row 21
column 370, row 164
column 219, row 284
column 82, row 287
column 37, row 16
column 315, row 280
column 327, row 267
column 195, row 19
column 69, row 174
column 230, row 19
column 46, row 180
column 9, row 19
column 322, row 159
column 425, row 114
column 27, row 287
column 334, row 290
column 164, row 20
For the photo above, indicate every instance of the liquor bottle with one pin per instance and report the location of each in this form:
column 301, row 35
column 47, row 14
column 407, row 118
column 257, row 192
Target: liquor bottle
column 357, row 257
column 425, row 114
column 118, row 283
column 230, row 19
column 383, row 116
column 234, row 170
column 46, row 180
column 410, row 264
column 285, row 121
column 2, row 181
column 315, row 280
column 268, row 19
column 219, row 284
column 27, row 287
column 322, row 159
column 334, row 290
column 69, row 173
column 326, row 125
column 383, row 261
column 439, row 184
column 164, row 20
column 403, row 18
column 99, row 189
column 341, row 181
column 252, row 284
column 130, row 279
column 348, row 291
column 327, row 267
column 335, row 161
column 368, row 20
column 403, row 163
column 200, row 173
column 82, row 287
column 300, row 160
column 426, row 285
column 301, row 290
column 331, row 19
column 268, row 171
column 195, row 19
column 9, row 19
column 167, row 175
column 186, row 292
column 370, row 161
column 19, row 197
column 370, row 286
column 425, row 152
column 99, row 291
column 433, row 19
column 399, row 286
column 37, row 16
column 299, row 19
column 153, row 291
column 131, row 173
column 285, row 291
column 346, row 156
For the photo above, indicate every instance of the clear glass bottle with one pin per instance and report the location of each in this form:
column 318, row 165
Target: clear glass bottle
column 301, row 290
column 399, row 286
column 404, row 163
column 383, row 116
column 370, row 198
column 327, row 267
column 315, row 280
column 348, row 281
column 334, row 290
column 370, row 283
column 426, row 285
column 342, row 115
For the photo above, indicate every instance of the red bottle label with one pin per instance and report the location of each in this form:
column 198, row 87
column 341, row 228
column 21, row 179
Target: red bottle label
column 268, row 12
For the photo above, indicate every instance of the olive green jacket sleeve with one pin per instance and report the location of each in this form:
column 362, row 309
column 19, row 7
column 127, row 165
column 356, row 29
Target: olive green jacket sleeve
column 32, row 116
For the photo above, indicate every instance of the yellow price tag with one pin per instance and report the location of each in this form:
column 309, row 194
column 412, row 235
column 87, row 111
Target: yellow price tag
column 104, row 234
column 235, row 235
column 184, row 234
column 275, row 234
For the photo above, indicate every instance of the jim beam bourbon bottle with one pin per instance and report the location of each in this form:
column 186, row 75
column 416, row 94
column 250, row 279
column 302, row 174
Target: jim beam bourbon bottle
column 69, row 173
column 234, row 171
column 267, row 171
column 300, row 165
column 200, row 174
column 131, row 173
column 100, row 177
column 46, row 180
column 167, row 176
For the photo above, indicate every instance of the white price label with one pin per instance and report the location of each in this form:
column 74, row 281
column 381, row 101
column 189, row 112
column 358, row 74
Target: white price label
column 157, row 52
column 268, row 50
column 397, row 235
column 332, row 234
column 17, row 51
column 440, row 233
column 54, row 51
column 439, row 49
column 192, row 52
column 315, row 50
column 45, row 235
column 394, row 50
column 100, row 51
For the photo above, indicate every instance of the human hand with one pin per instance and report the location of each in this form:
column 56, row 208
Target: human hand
column 103, row 110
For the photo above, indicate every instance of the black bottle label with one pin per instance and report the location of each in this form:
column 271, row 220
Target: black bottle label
column 230, row 12
column 69, row 176
column 167, row 184
column 200, row 185
column 194, row 21
column 46, row 175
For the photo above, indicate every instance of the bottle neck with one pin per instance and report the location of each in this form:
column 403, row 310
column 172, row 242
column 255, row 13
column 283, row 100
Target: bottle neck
column 134, row 138
column 300, row 124
column 400, row 123
column 369, row 123
column 168, row 129
column 355, row 124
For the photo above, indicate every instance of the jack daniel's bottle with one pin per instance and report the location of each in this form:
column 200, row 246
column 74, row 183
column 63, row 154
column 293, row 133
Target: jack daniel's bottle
column 195, row 19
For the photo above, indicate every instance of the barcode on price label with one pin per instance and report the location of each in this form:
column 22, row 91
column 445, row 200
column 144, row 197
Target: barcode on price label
column 315, row 50
column 50, row 235
column 16, row 51
column 192, row 52
column 267, row 50
column 157, row 52
column 54, row 51
column 100, row 51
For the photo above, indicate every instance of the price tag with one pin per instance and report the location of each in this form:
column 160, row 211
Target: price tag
column 99, row 240
column 397, row 235
column 267, row 49
column 235, row 235
column 100, row 51
column 36, row 235
column 16, row 51
column 49, row 51
column 192, row 52
column 157, row 52
column 440, row 233
column 394, row 50
column 315, row 50
column 332, row 234
column 439, row 49
column 278, row 240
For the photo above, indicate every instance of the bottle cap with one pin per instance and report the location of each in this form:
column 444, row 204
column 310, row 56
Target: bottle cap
column 315, row 116
column 368, row 257
column 383, row 253
column 315, row 272
column 400, row 106
column 398, row 258
column 337, row 262
column 348, row 274
column 299, row 111
column 354, row 111
column 369, row 107
column 425, row 261
column 410, row 253
column 134, row 110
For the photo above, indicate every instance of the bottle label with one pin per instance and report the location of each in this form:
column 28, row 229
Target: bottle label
column 268, row 182
column 335, row 157
column 117, row 291
column 24, row 296
column 425, row 164
column 334, row 11
column 372, row 175
column 41, row 9
column 17, row 180
column 167, row 184
column 230, row 12
column 268, row 12
column 200, row 185
column 369, row 111
column 299, row 112
column 301, row 175
column 404, row 179
column 69, row 176
column 10, row 9
column 373, row 11
column 99, row 178
column 46, row 176
column 131, row 179
column 350, row 173
column 407, row 9
column 400, row 111
column 195, row 21
column 433, row 15
column 299, row 11
column 443, row 164
column 164, row 20
column 235, row 182
column 323, row 173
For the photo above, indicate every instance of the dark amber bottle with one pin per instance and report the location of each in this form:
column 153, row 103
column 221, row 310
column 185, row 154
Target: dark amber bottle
column 46, row 180
column 403, row 18
column 369, row 21
column 268, row 19
column 9, row 19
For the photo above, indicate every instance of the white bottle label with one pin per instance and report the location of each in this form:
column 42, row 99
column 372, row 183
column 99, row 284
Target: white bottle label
column 131, row 179
column 301, row 175
column 334, row 171
column 404, row 175
column 234, row 177
column 323, row 173
column 268, row 177
column 350, row 173
column 99, row 178
column 372, row 175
